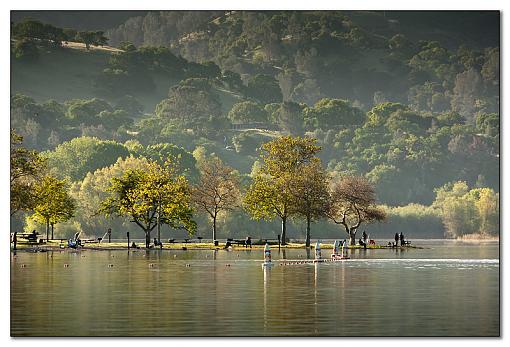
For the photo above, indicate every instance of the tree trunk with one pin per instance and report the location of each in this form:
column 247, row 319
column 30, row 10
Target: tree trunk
column 47, row 230
column 214, row 228
column 352, row 235
column 284, row 230
column 52, row 231
column 159, row 229
column 147, row 238
column 308, row 231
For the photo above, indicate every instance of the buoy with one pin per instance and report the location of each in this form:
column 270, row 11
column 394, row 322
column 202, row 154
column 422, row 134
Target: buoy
column 227, row 264
column 344, row 246
column 110, row 265
column 66, row 265
column 335, row 248
column 152, row 265
column 318, row 253
column 23, row 265
column 175, row 255
column 188, row 265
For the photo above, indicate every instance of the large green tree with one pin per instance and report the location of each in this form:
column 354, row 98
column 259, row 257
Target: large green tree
column 267, row 198
column 275, row 190
column 151, row 196
column 309, row 190
column 54, row 203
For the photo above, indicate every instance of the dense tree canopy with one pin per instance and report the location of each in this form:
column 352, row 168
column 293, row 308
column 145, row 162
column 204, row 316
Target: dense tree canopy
column 151, row 196
column 75, row 158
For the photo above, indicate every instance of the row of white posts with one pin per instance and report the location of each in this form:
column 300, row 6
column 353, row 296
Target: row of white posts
column 318, row 253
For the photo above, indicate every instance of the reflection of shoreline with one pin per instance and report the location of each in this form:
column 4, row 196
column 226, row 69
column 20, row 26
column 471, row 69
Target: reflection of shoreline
column 477, row 238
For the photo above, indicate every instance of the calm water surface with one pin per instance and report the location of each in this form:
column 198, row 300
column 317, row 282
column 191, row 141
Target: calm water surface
column 448, row 289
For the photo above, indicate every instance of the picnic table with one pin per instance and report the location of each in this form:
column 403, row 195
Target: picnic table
column 31, row 237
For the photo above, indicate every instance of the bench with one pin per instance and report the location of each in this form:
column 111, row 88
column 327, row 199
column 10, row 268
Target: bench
column 30, row 237
column 177, row 241
column 237, row 242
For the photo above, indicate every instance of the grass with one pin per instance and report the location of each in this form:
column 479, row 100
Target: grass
column 189, row 246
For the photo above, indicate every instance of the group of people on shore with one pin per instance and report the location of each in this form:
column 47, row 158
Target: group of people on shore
column 401, row 238
column 398, row 237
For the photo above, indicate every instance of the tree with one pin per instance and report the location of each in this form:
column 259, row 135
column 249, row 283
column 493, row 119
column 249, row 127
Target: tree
column 191, row 107
column 352, row 202
column 290, row 118
column 93, row 189
column 310, row 193
column 264, row 88
column 151, row 196
column 246, row 112
column 54, row 204
column 25, row 49
column 216, row 191
column 283, row 161
column 488, row 209
column 467, row 211
column 86, row 111
column 26, row 167
column 267, row 198
column 468, row 88
column 330, row 113
column 75, row 158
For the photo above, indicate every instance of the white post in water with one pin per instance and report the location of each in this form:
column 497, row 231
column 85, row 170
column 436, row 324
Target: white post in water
column 318, row 254
column 335, row 247
column 267, row 254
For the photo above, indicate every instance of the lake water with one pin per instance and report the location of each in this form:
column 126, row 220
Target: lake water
column 448, row 289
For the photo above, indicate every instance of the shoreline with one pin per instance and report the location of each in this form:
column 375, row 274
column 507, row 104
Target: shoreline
column 55, row 246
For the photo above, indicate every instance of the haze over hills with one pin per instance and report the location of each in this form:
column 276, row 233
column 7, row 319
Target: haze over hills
column 410, row 100
column 79, row 20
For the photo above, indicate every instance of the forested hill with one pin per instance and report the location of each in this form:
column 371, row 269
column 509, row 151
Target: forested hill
column 410, row 100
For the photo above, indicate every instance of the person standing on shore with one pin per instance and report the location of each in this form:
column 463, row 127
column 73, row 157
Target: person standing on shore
column 401, row 239
column 396, row 239
column 365, row 237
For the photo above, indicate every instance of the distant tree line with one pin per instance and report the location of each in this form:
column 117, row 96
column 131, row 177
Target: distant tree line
column 30, row 34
